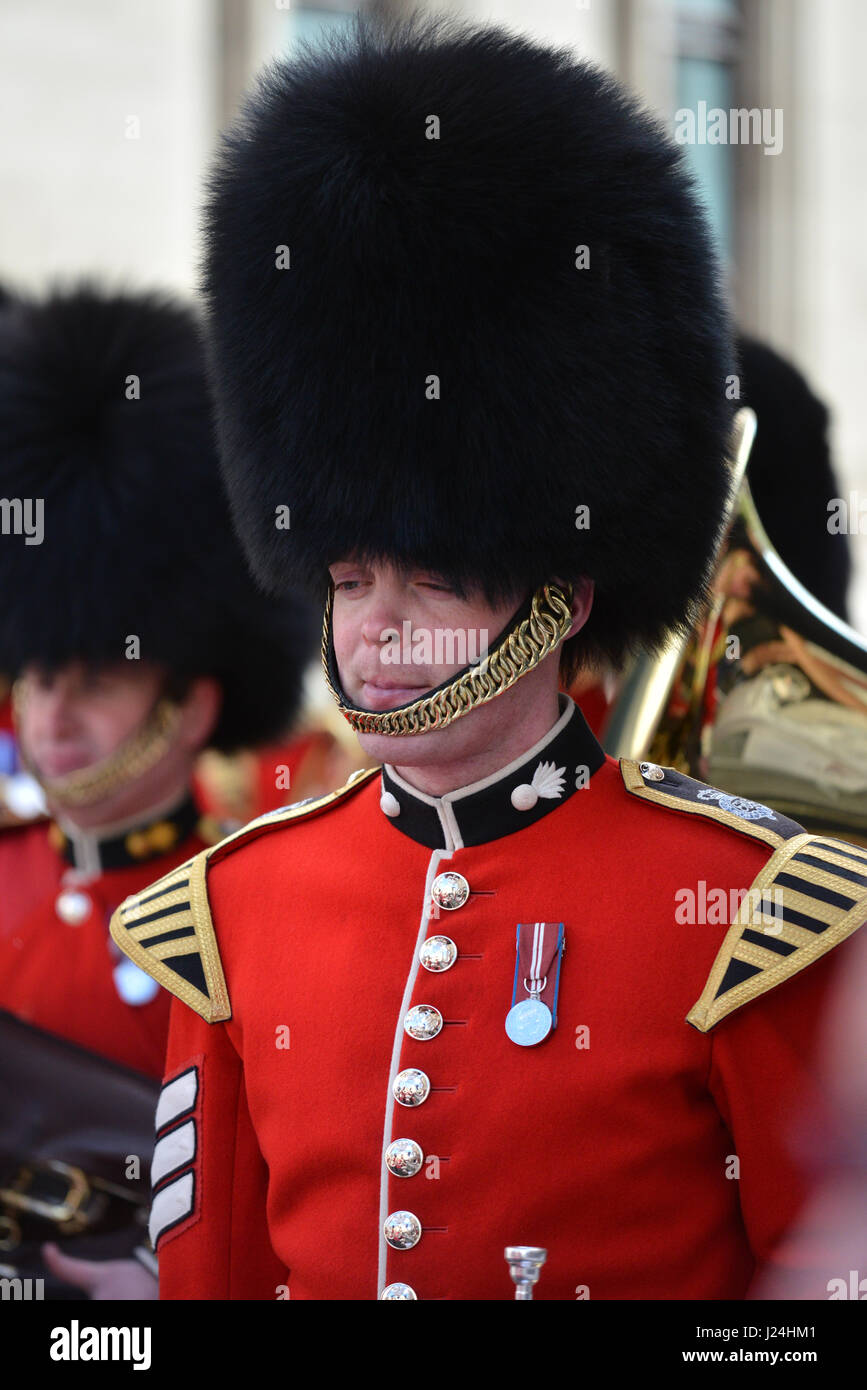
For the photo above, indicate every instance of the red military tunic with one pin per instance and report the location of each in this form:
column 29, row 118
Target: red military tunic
column 652, row 1159
column 58, row 965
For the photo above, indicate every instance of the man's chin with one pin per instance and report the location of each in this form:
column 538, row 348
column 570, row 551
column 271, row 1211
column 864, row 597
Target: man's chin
column 407, row 749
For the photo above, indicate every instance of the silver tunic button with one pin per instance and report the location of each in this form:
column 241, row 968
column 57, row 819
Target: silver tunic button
column 450, row 890
column 389, row 804
column 651, row 772
column 411, row 1087
column 403, row 1158
column 73, row 907
column 423, row 1022
column 394, row 1293
column 438, row 953
column 402, row 1230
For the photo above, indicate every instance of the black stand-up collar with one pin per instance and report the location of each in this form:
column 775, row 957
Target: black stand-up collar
column 135, row 842
column 522, row 792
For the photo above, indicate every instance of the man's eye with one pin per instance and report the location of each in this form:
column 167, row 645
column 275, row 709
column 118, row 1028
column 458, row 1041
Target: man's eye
column 346, row 584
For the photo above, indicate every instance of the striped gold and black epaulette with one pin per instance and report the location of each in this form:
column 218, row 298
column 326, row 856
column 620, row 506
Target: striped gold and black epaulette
column 810, row 895
column 167, row 930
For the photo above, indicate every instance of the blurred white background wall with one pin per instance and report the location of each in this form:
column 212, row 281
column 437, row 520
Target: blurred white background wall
column 108, row 111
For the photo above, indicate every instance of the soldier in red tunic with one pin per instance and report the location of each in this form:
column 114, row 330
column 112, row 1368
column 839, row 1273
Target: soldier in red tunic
column 502, row 989
column 137, row 638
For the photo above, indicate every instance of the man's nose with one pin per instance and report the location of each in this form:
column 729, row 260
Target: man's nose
column 386, row 611
column 57, row 711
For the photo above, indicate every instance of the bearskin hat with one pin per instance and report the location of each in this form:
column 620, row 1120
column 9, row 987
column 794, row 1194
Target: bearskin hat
column 791, row 475
column 460, row 287
column 105, row 424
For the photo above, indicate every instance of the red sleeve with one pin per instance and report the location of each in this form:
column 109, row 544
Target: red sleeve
column 208, row 1209
column 766, row 1079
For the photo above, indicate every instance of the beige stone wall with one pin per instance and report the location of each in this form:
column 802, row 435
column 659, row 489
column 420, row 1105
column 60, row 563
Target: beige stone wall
column 79, row 194
column 802, row 273
column 590, row 28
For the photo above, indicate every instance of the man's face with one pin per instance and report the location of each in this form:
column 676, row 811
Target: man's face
column 78, row 715
column 398, row 635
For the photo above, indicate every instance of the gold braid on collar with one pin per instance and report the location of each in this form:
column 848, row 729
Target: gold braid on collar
column 138, row 753
column 527, row 641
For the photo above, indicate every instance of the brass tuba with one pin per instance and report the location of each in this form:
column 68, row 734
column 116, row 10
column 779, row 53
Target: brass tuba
column 766, row 698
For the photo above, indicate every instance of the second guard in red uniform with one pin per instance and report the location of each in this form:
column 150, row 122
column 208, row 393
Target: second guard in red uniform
column 136, row 637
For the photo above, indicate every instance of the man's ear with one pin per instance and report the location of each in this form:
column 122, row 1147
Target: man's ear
column 200, row 710
column 582, row 602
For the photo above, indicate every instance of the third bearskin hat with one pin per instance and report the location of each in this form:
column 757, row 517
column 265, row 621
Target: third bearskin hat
column 460, row 287
column 791, row 473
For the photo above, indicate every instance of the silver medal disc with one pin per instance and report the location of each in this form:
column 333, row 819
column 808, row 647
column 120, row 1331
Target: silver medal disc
column 529, row 1022
column 133, row 985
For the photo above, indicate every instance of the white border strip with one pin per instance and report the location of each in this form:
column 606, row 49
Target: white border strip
column 170, row 1205
column 175, row 1150
column 177, row 1097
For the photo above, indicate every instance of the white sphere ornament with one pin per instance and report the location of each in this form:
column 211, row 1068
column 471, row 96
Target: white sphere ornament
column 524, row 798
column 547, row 781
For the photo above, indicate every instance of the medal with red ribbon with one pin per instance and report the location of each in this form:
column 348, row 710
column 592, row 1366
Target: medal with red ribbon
column 540, row 947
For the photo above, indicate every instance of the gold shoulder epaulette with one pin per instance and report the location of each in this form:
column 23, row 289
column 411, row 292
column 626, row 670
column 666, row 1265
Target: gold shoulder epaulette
column 810, row 896
column 665, row 786
column 167, row 930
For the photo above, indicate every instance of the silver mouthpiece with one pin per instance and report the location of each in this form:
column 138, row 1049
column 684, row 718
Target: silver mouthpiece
column 525, row 1263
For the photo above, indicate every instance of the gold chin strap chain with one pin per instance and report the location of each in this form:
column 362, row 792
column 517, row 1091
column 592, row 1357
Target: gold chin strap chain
column 539, row 634
column 136, row 755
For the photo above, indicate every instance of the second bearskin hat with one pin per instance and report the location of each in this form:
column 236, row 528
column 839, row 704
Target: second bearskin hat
column 460, row 287
column 105, row 428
